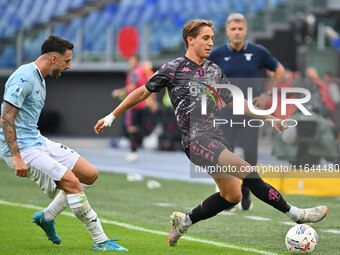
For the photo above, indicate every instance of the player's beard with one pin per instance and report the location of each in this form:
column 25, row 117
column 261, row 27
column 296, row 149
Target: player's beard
column 55, row 73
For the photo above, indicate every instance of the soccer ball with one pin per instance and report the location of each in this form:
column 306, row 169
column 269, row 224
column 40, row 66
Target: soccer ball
column 301, row 239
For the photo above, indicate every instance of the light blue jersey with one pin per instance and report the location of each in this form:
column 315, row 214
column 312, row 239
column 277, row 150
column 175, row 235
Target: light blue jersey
column 26, row 90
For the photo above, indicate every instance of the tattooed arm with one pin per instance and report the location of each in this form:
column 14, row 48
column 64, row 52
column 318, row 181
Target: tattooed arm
column 8, row 126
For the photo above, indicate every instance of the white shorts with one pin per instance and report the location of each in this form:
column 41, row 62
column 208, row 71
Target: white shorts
column 47, row 164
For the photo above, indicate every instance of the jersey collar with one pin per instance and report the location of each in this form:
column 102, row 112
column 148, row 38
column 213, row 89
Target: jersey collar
column 204, row 60
column 243, row 49
column 38, row 71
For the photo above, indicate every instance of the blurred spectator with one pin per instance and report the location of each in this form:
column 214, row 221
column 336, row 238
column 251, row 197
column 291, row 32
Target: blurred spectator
column 286, row 82
column 148, row 69
column 134, row 117
column 333, row 88
column 170, row 138
column 149, row 72
column 313, row 138
column 151, row 111
column 163, row 113
column 334, row 92
column 322, row 102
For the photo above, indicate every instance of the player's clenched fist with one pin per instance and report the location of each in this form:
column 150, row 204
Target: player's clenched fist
column 103, row 123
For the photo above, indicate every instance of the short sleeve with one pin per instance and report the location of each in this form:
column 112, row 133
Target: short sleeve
column 17, row 88
column 161, row 79
column 268, row 60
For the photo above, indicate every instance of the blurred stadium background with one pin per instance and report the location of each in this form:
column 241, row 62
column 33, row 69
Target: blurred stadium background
column 300, row 33
column 106, row 32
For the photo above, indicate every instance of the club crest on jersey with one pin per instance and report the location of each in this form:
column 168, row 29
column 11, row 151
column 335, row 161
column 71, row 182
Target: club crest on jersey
column 248, row 56
column 16, row 92
column 200, row 72
column 227, row 59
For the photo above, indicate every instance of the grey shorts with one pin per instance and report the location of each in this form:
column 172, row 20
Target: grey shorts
column 205, row 150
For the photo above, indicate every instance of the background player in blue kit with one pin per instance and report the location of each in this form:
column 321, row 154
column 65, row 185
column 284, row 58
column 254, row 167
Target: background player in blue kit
column 203, row 143
column 51, row 165
column 243, row 61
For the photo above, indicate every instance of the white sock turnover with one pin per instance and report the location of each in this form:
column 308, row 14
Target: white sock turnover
column 293, row 213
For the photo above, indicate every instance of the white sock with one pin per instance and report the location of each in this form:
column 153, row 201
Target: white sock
column 293, row 213
column 59, row 204
column 187, row 221
column 56, row 207
column 82, row 209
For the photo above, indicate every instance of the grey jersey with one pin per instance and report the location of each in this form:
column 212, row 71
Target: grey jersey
column 187, row 82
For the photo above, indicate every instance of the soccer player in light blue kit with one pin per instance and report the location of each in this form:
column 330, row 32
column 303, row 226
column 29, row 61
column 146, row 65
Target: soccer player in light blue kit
column 51, row 165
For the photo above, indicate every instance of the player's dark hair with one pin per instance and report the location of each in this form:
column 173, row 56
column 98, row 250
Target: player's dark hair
column 55, row 43
column 192, row 28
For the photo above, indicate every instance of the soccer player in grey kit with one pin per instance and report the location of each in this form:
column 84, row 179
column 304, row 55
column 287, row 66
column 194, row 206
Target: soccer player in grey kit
column 242, row 62
column 202, row 142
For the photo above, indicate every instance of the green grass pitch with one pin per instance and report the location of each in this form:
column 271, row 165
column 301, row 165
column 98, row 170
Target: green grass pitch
column 139, row 217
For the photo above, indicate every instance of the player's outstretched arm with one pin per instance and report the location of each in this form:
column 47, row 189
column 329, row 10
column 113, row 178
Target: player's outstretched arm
column 132, row 99
column 8, row 127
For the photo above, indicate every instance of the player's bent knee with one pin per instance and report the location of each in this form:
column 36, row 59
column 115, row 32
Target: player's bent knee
column 70, row 183
column 90, row 176
column 94, row 174
column 233, row 197
column 73, row 186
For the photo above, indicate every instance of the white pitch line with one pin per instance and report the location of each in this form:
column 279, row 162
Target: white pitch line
column 226, row 213
column 132, row 227
column 257, row 218
column 332, row 231
column 164, row 204
column 289, row 223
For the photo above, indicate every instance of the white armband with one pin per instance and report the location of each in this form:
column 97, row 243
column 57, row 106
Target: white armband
column 108, row 120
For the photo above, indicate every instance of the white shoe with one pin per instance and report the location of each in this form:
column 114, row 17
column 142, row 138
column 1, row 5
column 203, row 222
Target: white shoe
column 314, row 214
column 178, row 228
column 131, row 157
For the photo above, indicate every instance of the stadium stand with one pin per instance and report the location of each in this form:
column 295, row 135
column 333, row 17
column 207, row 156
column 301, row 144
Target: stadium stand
column 90, row 30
